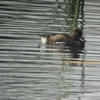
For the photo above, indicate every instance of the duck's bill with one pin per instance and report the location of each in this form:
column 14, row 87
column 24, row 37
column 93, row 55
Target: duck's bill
column 82, row 39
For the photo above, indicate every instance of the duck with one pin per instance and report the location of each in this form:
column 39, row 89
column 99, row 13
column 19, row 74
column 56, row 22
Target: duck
column 75, row 39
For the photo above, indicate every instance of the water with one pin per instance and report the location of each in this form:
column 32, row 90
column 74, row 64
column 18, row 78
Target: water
column 29, row 70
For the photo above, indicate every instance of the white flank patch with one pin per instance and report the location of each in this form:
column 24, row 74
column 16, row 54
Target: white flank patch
column 63, row 43
column 43, row 39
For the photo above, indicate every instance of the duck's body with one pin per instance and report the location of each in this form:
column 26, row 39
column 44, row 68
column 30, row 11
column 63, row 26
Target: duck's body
column 58, row 38
column 75, row 39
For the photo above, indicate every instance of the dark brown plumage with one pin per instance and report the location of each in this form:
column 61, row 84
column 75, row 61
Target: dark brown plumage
column 75, row 38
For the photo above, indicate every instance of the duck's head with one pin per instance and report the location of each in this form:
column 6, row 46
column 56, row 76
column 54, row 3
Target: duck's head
column 76, row 34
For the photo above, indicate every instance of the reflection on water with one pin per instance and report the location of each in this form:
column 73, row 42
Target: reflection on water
column 28, row 71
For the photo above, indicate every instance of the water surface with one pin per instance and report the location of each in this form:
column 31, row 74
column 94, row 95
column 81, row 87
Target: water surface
column 29, row 70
